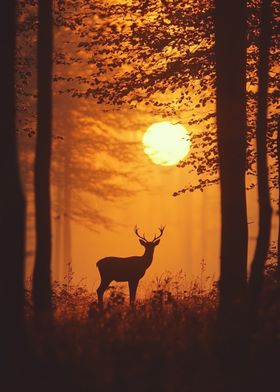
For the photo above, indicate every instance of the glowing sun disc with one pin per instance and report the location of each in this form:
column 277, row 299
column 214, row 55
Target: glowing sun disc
column 166, row 143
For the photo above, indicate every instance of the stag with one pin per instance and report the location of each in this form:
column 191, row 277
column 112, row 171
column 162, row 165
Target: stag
column 127, row 269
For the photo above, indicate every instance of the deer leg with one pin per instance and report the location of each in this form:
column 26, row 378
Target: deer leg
column 132, row 290
column 100, row 291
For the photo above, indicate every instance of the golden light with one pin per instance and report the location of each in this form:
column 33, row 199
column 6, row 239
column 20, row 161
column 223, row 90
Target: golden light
column 166, row 143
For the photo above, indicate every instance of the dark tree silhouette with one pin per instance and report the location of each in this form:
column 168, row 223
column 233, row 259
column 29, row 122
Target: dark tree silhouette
column 257, row 268
column 42, row 270
column 230, row 48
column 12, row 202
column 278, row 239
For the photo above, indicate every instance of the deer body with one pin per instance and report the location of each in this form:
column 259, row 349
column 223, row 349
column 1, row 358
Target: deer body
column 126, row 269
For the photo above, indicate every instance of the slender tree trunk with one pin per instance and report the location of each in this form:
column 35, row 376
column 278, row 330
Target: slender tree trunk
column 257, row 268
column 278, row 239
column 42, row 269
column 230, row 48
column 12, row 202
column 58, row 229
column 67, row 243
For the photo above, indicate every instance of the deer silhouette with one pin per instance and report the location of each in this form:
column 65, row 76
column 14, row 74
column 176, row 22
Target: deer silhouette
column 127, row 269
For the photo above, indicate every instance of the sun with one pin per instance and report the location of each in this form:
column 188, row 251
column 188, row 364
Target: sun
column 166, row 143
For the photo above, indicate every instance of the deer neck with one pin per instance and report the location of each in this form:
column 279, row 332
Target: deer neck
column 148, row 257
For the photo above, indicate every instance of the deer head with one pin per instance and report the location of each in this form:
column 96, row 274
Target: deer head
column 149, row 244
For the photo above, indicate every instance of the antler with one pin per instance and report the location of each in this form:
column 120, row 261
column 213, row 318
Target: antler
column 138, row 235
column 161, row 229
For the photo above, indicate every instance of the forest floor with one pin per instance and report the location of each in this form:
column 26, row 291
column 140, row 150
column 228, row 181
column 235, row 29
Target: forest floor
column 168, row 342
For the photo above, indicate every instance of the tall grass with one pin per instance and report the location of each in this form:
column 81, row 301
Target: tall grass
column 165, row 343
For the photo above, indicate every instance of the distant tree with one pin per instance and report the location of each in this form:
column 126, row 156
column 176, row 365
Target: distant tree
column 12, row 202
column 263, row 240
column 42, row 270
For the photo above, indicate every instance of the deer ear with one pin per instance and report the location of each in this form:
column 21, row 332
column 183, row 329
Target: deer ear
column 156, row 242
column 142, row 242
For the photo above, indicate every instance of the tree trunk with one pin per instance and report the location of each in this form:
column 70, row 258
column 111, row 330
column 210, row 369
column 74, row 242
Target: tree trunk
column 262, row 246
column 278, row 239
column 42, row 269
column 12, row 203
column 67, row 184
column 230, row 49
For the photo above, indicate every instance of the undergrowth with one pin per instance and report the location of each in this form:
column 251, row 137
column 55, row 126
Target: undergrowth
column 165, row 343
